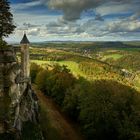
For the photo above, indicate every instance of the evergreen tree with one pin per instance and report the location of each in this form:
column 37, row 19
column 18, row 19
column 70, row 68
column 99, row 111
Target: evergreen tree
column 6, row 19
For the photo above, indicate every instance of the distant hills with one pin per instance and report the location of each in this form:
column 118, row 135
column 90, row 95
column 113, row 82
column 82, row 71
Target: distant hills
column 97, row 43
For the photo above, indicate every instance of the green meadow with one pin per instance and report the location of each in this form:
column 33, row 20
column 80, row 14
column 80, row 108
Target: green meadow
column 113, row 56
column 73, row 66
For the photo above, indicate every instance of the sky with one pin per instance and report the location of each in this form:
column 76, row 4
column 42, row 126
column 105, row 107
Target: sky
column 77, row 20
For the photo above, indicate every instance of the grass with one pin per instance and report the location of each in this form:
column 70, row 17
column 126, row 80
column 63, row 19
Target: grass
column 129, row 49
column 133, row 43
column 73, row 66
column 113, row 56
column 137, row 82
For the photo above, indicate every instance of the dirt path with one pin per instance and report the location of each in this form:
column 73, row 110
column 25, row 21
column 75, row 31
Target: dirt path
column 54, row 123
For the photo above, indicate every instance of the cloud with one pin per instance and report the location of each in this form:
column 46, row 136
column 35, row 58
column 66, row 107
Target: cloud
column 95, row 27
column 99, row 20
column 34, row 31
column 21, row 6
column 124, row 26
column 99, row 17
column 111, row 27
column 61, row 28
column 72, row 9
column 29, row 25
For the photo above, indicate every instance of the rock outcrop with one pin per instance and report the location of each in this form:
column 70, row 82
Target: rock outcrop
column 18, row 103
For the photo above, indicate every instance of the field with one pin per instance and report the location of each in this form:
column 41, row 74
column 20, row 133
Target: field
column 114, row 56
column 117, row 61
column 73, row 66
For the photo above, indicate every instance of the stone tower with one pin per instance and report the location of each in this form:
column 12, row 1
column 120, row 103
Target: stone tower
column 25, row 60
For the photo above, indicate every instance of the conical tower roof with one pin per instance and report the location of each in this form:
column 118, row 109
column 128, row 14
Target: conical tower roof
column 24, row 40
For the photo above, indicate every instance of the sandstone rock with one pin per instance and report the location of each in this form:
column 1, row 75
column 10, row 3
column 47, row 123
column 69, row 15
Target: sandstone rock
column 18, row 102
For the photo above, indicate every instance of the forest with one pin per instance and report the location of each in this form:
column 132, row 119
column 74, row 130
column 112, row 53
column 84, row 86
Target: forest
column 104, row 109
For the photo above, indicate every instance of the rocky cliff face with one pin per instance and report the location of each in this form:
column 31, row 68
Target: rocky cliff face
column 18, row 103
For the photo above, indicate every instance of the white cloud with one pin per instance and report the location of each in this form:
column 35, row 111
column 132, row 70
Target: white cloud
column 21, row 18
column 114, row 8
column 21, row 6
column 72, row 9
column 124, row 26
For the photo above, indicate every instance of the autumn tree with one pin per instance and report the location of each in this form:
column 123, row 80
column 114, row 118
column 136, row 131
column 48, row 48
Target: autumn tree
column 6, row 19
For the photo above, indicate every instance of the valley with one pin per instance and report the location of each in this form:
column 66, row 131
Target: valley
column 93, row 60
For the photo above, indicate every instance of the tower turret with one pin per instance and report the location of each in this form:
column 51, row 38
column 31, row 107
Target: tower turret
column 25, row 58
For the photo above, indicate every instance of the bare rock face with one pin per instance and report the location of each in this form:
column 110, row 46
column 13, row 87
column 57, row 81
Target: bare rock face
column 18, row 103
